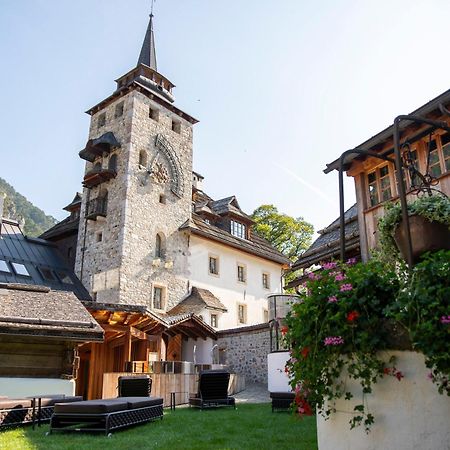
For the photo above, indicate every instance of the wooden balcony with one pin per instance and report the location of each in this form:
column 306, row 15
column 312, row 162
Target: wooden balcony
column 98, row 176
column 96, row 207
column 99, row 146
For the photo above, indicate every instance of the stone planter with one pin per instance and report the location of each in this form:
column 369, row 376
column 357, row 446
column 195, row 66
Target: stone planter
column 409, row 414
column 425, row 236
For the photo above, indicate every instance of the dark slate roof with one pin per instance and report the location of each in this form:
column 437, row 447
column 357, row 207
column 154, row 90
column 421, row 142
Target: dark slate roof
column 148, row 52
column 43, row 263
column 327, row 245
column 255, row 245
column 196, row 301
column 66, row 227
column 75, row 203
column 39, row 311
column 228, row 205
column 387, row 133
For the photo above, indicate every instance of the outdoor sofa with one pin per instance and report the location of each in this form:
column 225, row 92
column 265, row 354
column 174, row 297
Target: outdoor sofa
column 106, row 415
column 212, row 390
column 30, row 410
column 133, row 406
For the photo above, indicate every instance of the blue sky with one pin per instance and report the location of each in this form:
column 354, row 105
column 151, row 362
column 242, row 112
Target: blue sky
column 280, row 88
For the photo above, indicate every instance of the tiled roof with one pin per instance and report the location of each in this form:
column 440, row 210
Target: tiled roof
column 43, row 263
column 39, row 311
column 255, row 245
column 166, row 321
column 66, row 227
column 327, row 245
column 228, row 205
column 196, row 301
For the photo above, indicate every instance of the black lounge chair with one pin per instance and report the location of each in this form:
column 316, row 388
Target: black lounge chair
column 106, row 415
column 212, row 390
column 140, row 386
column 281, row 401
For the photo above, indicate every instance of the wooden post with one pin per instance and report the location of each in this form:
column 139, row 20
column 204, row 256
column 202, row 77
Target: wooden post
column 127, row 352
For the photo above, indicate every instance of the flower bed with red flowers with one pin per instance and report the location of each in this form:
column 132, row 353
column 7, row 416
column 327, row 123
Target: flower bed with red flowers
column 339, row 326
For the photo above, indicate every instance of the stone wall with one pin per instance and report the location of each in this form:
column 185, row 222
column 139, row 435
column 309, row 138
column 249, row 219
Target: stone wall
column 245, row 351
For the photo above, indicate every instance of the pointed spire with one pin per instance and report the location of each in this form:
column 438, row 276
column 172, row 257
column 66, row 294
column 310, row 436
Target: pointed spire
column 148, row 53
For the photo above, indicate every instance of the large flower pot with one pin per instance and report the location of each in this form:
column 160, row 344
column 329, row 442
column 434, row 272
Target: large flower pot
column 409, row 414
column 425, row 236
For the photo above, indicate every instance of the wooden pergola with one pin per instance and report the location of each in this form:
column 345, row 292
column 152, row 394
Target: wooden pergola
column 133, row 335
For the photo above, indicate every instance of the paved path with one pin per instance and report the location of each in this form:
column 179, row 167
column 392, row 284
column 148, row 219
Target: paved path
column 253, row 393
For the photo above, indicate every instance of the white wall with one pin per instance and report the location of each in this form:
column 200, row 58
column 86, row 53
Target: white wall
column 26, row 387
column 225, row 285
column 202, row 353
column 409, row 414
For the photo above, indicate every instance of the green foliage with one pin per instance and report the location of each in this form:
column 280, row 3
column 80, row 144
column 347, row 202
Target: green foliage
column 423, row 307
column 291, row 236
column 17, row 207
column 340, row 325
column 250, row 426
column 346, row 317
column 435, row 208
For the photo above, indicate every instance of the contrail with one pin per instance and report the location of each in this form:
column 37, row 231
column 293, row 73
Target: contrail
column 308, row 185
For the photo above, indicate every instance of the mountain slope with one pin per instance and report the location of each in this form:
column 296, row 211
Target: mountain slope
column 33, row 220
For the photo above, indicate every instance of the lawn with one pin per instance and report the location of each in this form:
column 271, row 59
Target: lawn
column 250, row 426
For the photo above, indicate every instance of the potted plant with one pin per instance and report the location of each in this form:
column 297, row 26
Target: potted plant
column 369, row 343
column 429, row 221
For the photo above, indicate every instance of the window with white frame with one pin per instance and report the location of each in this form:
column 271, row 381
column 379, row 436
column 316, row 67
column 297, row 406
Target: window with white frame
column 158, row 297
column 266, row 280
column 214, row 320
column 238, row 229
column 213, row 265
column 241, row 273
column 242, row 313
column 20, row 269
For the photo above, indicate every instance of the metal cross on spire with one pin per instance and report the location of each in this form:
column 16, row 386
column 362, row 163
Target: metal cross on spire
column 151, row 7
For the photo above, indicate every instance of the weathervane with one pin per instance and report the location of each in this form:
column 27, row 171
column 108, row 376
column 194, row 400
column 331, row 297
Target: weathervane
column 151, row 7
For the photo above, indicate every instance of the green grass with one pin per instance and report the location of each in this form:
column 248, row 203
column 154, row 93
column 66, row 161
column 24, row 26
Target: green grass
column 250, row 426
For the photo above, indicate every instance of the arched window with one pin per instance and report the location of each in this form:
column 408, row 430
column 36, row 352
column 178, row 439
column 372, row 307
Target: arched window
column 159, row 246
column 112, row 164
column 143, row 158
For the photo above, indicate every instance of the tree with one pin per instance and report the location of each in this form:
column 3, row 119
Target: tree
column 290, row 235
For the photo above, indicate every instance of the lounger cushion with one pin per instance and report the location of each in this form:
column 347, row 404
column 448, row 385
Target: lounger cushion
column 15, row 403
column 142, row 402
column 50, row 401
column 92, row 406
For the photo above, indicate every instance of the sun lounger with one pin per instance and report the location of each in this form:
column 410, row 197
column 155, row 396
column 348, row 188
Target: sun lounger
column 212, row 390
column 106, row 415
column 15, row 412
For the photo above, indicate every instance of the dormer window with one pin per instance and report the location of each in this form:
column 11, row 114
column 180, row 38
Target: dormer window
column 238, row 229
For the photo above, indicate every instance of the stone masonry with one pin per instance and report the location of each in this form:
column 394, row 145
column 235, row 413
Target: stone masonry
column 122, row 267
column 244, row 350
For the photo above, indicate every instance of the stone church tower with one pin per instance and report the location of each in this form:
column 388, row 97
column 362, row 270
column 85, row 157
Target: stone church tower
column 137, row 191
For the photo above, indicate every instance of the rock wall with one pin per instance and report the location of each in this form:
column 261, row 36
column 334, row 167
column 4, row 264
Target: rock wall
column 244, row 350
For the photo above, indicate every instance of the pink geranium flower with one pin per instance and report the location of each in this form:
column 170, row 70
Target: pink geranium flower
column 346, row 287
column 332, row 299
